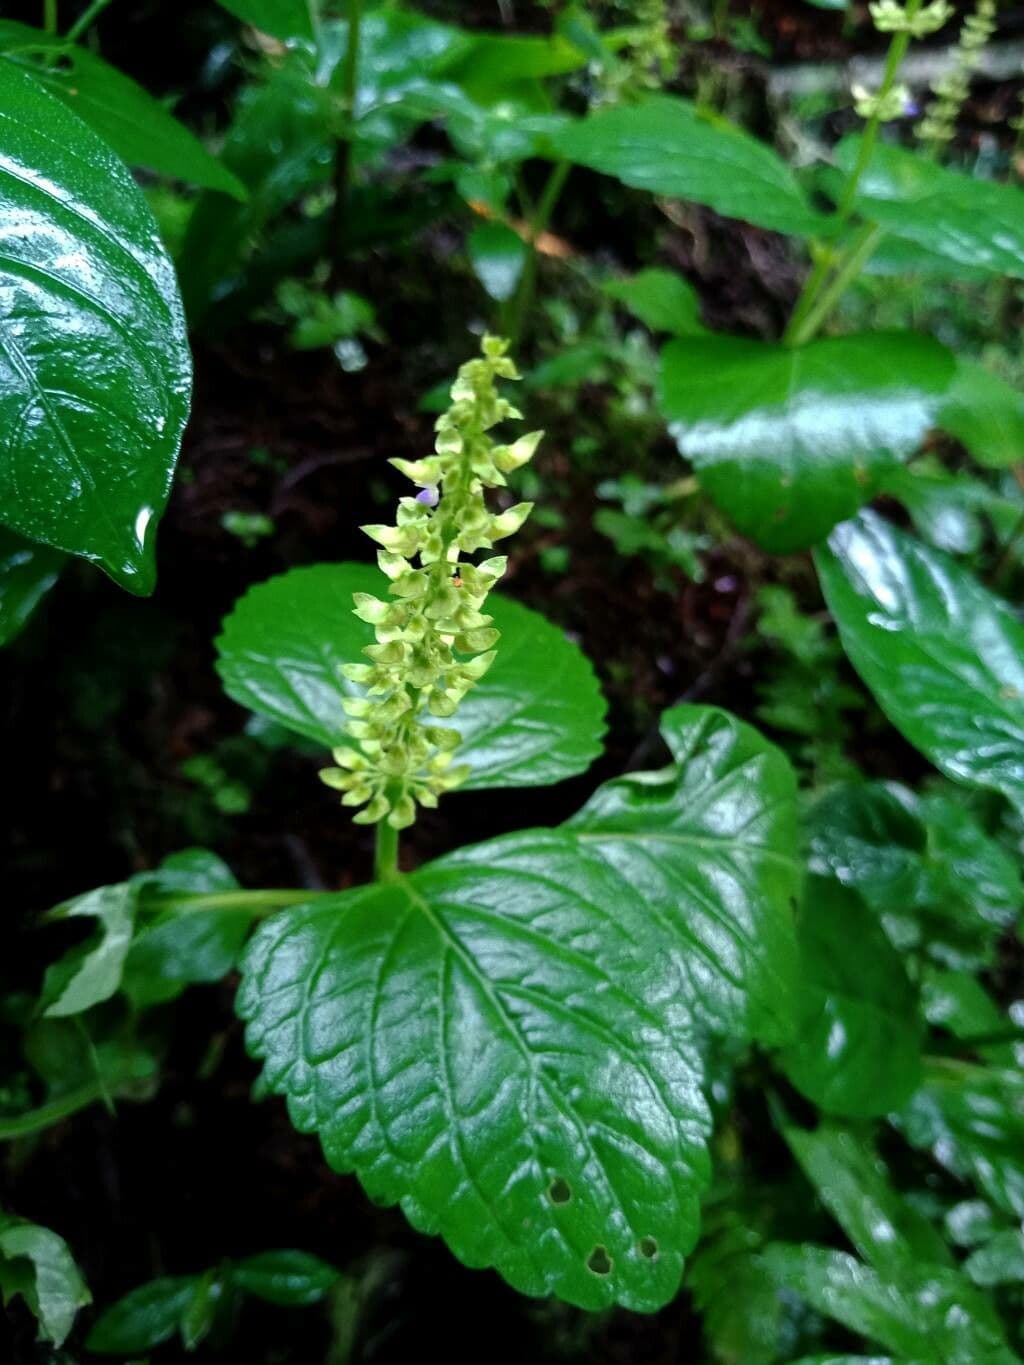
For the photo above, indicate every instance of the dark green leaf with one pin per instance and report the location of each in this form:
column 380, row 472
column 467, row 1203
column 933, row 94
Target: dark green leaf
column 90, row 974
column 290, row 1278
column 505, row 1041
column 985, row 414
column 976, row 222
column 666, row 145
column 282, row 19
column 94, row 367
column 1000, row 1261
column 497, row 255
column 661, row 299
column 132, row 122
column 201, row 1310
column 971, row 1118
column 790, row 441
column 147, row 1317
column 943, row 656
column 27, row 573
column 959, row 1003
column 536, row 717
column 36, row 1263
column 853, row 1184
column 857, row 1050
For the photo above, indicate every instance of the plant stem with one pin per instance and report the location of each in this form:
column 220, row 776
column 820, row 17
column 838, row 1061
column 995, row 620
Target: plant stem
column 86, row 19
column 523, row 300
column 850, row 265
column 251, row 902
column 385, row 858
column 36, row 1120
column 817, row 279
column 343, row 156
column 50, row 16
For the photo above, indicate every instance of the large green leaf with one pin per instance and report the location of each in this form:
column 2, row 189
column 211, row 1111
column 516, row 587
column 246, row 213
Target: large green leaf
column 971, row 1118
column 857, row 1049
column 976, row 222
column 666, row 145
column 284, row 19
column 27, row 573
column 789, row 441
column 930, row 1315
column 131, row 121
column 536, row 717
column 943, row 656
column 507, row 1041
column 36, row 1263
column 94, row 365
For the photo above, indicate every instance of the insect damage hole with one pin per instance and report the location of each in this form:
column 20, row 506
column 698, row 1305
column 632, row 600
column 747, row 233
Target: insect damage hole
column 648, row 1248
column 599, row 1262
column 559, row 1191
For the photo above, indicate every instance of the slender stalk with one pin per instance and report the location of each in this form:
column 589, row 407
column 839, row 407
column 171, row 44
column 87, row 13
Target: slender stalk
column 385, row 859
column 50, row 16
column 523, row 300
column 850, row 265
column 251, row 902
column 46, row 1115
column 86, row 19
column 817, row 280
column 344, row 152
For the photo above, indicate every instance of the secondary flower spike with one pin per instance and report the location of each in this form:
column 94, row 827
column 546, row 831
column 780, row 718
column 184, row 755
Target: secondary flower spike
column 433, row 640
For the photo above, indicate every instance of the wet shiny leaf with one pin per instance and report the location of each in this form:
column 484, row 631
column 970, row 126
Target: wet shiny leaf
column 507, row 1042
column 537, row 716
column 943, row 656
column 94, row 367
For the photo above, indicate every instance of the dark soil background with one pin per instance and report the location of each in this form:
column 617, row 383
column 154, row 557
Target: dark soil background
column 105, row 697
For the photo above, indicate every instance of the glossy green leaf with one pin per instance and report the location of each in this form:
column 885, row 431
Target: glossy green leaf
column 135, row 125
column 94, row 367
column 859, row 1033
column 978, row 223
column 37, row 1264
column 661, row 299
column 284, row 19
column 929, row 1315
column 971, row 1119
column 790, row 441
column 853, row 1184
column 959, row 1003
column 943, row 656
column 497, row 255
column 506, row 1041
column 143, row 1319
column 173, row 949
column 290, row 1278
column 536, row 717
column 666, row 145
column 92, row 973
column 27, row 573
column 1000, row 1261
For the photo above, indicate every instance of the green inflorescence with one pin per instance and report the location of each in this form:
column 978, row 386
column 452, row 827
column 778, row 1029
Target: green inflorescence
column 951, row 90
column 433, row 639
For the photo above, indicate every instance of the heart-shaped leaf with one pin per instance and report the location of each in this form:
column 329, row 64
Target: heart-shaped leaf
column 858, row 1043
column 507, row 1042
column 666, row 145
column 94, row 366
column 135, row 125
column 943, row 656
column 536, row 717
column 789, row 441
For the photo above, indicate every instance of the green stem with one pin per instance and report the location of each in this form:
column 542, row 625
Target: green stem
column 36, row 1120
column 343, row 156
column 86, row 19
column 817, row 279
column 251, row 902
column 523, row 301
column 385, row 859
column 851, row 263
column 50, row 16
column 1010, row 1034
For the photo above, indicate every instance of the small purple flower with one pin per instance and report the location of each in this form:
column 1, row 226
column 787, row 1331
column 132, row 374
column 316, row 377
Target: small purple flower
column 428, row 496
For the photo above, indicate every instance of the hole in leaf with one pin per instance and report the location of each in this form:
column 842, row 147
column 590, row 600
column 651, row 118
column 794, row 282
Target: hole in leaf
column 648, row 1247
column 559, row 1191
column 599, row 1262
